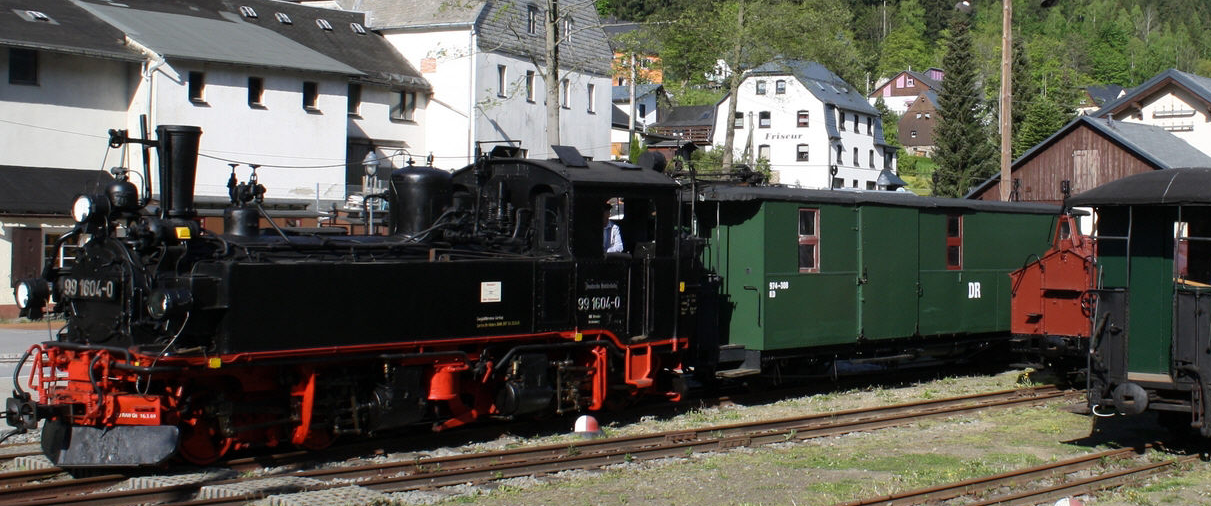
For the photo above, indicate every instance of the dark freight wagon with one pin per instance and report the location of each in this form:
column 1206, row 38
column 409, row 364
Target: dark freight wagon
column 812, row 278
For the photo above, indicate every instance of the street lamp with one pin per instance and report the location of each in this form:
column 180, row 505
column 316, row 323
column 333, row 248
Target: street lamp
column 371, row 163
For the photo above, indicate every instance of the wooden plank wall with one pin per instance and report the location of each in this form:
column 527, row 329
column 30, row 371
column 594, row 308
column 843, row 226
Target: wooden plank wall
column 1100, row 160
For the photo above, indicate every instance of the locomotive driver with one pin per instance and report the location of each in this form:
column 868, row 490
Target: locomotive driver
column 611, row 235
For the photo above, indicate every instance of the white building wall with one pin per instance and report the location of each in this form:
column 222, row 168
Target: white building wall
column 300, row 151
column 446, row 59
column 8, row 299
column 62, row 121
column 783, row 136
column 1177, row 112
column 374, row 122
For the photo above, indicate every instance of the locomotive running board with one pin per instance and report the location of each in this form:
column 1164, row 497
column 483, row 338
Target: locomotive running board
column 125, row 445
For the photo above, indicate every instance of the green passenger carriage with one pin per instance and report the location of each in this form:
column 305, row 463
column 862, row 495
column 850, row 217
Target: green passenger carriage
column 1149, row 348
column 820, row 282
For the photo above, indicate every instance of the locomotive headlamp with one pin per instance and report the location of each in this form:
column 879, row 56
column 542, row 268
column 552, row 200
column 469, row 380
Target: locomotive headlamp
column 88, row 208
column 31, row 295
column 165, row 302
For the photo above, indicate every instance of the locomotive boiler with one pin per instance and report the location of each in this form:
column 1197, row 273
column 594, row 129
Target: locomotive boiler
column 492, row 296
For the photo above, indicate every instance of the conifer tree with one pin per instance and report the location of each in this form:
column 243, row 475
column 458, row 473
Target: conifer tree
column 964, row 154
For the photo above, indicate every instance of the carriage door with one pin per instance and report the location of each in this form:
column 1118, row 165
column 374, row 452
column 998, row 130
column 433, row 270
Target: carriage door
column 887, row 272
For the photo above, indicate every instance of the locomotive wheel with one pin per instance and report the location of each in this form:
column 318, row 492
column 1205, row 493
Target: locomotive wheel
column 202, row 442
column 318, row 439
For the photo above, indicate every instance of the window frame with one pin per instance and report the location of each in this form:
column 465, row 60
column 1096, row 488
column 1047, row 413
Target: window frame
column 870, row 129
column 763, row 152
column 532, row 19
column 256, row 92
column 812, row 239
column 764, row 119
column 803, row 153
column 502, row 81
column 954, row 241
column 311, row 96
column 803, row 119
column 871, row 163
column 354, row 96
column 840, row 155
column 761, row 87
column 856, row 162
column 780, row 87
column 841, row 115
column 530, row 94
column 738, row 120
column 196, row 87
column 590, row 90
column 29, row 60
column 403, row 108
column 565, row 92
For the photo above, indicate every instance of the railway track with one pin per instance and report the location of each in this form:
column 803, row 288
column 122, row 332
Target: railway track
column 1056, row 476
column 482, row 467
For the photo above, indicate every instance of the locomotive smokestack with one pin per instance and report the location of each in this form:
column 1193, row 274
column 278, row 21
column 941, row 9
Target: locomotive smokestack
column 178, row 169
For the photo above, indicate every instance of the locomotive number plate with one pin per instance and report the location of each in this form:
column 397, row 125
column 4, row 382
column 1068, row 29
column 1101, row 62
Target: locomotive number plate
column 84, row 288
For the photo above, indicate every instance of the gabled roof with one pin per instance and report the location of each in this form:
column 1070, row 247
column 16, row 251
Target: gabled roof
column 1197, row 85
column 42, row 190
column 69, row 29
column 821, row 82
column 1104, row 94
column 366, row 51
column 1153, row 144
column 501, row 26
column 206, row 30
column 689, row 115
column 623, row 94
column 928, row 81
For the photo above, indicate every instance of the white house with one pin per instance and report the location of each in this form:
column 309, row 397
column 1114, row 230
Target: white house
column 814, row 129
column 305, row 93
column 483, row 60
column 1174, row 100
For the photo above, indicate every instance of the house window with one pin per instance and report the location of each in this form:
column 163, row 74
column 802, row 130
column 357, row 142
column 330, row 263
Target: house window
column 501, row 83
column 643, row 110
column 809, row 240
column 913, row 134
column 837, row 182
column 565, row 96
column 591, row 90
column 355, row 98
column 22, row 66
column 530, row 86
column 760, row 87
column 532, row 20
column 926, row 115
column 780, row 87
column 804, row 119
column 763, row 152
column 855, row 123
column 855, row 184
column 763, row 120
column 910, row 82
column 872, row 159
column 738, row 122
column 801, row 153
column 840, row 156
column 311, row 94
column 869, row 128
column 855, row 157
column 403, row 108
column 256, row 90
column 197, row 87
column 954, row 242
column 841, row 115
column 870, row 185
column 918, row 115
column 567, row 28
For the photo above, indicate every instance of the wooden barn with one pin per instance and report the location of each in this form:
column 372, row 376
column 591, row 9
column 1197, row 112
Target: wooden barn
column 1089, row 152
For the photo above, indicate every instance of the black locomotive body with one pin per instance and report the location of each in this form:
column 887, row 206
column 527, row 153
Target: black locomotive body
column 491, row 297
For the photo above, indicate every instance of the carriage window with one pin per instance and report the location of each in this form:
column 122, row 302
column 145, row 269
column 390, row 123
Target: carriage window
column 954, row 242
column 809, row 240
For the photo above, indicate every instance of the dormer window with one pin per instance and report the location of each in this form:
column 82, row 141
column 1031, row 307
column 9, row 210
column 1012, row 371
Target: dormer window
column 283, row 18
column 38, row 16
column 248, row 12
column 323, row 24
column 357, row 28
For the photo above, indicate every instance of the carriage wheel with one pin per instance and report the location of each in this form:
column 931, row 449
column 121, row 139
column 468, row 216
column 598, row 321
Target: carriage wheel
column 201, row 442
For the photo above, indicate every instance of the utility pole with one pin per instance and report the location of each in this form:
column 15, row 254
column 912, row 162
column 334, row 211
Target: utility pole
column 1006, row 99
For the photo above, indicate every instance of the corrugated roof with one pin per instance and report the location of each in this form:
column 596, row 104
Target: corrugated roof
column 70, row 30
column 41, row 190
column 207, row 31
column 1180, row 186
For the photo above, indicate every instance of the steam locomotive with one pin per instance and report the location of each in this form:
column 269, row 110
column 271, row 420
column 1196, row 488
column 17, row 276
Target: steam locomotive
column 493, row 296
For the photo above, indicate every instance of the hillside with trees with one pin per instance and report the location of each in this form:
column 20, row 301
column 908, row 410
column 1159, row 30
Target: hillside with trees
column 1060, row 45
